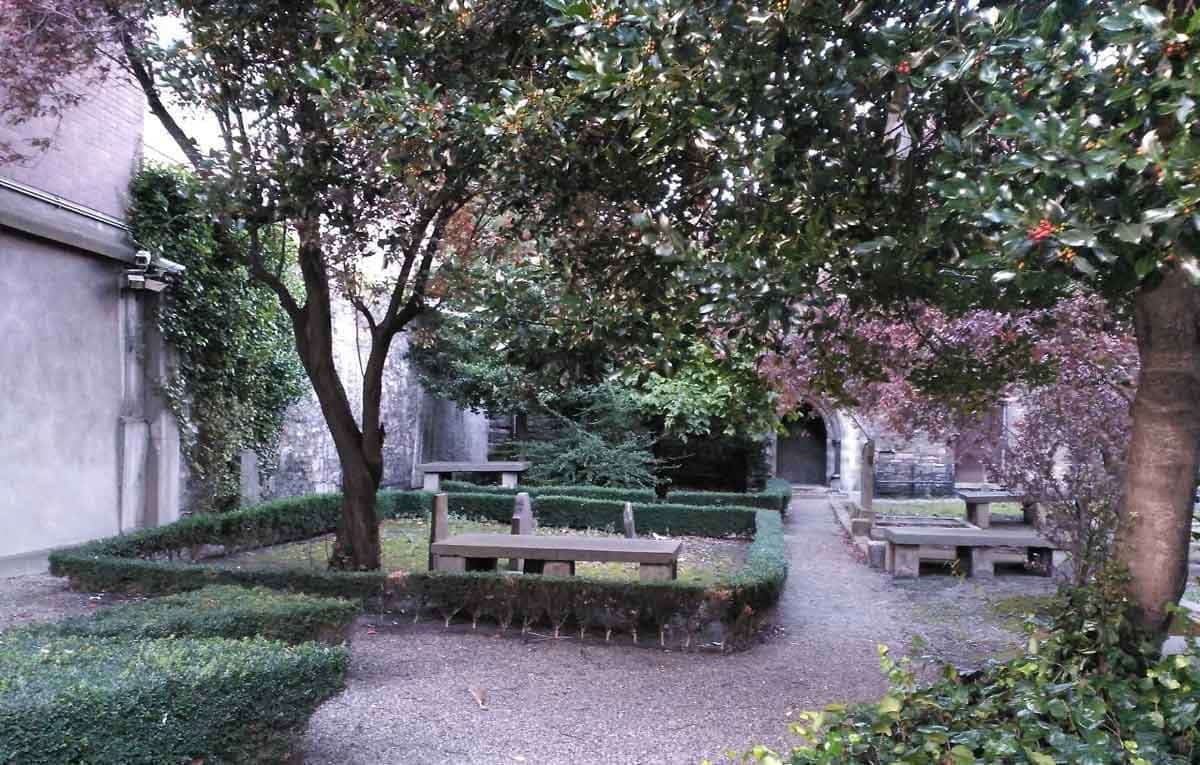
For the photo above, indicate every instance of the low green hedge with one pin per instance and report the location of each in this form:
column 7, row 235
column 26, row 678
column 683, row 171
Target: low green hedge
column 220, row 611
column 150, row 561
column 776, row 497
column 662, row 608
column 676, row 520
column 591, row 492
column 108, row 700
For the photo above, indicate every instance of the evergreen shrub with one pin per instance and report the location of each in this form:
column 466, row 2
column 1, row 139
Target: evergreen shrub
column 220, row 611
column 97, row 700
column 158, row 561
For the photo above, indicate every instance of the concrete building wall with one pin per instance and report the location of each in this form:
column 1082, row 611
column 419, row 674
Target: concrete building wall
column 95, row 149
column 86, row 447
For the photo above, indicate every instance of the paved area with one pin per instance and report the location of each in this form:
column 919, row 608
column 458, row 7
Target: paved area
column 410, row 698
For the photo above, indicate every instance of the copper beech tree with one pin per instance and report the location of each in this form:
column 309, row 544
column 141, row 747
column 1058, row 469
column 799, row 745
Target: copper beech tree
column 369, row 130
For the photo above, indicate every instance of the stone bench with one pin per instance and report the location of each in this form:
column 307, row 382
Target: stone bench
column 975, row 548
column 979, row 505
column 556, row 555
column 433, row 471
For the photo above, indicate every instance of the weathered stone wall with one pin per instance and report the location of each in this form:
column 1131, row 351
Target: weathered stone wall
column 912, row 468
column 417, row 427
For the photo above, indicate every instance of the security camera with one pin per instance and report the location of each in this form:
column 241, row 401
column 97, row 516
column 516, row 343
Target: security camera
column 143, row 259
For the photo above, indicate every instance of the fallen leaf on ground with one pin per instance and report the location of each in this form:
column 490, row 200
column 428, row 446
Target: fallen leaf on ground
column 480, row 696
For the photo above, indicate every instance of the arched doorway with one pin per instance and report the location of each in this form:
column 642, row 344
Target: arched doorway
column 801, row 456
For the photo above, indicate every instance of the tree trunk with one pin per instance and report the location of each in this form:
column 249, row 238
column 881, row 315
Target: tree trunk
column 1155, row 522
column 357, row 544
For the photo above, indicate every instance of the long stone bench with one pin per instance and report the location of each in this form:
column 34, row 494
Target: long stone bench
column 556, row 555
column 975, row 548
column 510, row 472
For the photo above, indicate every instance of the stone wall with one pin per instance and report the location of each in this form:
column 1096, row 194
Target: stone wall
column 417, row 427
column 914, row 467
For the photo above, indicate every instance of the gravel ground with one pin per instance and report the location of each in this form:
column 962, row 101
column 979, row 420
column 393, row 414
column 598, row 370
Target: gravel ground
column 410, row 702
column 43, row 598
column 410, row 697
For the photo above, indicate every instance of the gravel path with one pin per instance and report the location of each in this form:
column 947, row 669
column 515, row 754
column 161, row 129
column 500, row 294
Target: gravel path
column 409, row 699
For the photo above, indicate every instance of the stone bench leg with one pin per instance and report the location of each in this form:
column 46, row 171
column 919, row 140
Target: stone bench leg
column 431, row 482
column 453, row 563
column 1030, row 512
column 657, row 572
column 977, row 562
column 558, row 568
column 904, row 561
column 509, row 480
column 979, row 514
column 1041, row 559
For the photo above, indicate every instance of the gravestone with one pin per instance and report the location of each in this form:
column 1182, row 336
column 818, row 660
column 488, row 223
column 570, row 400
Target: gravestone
column 522, row 523
column 439, row 524
column 627, row 519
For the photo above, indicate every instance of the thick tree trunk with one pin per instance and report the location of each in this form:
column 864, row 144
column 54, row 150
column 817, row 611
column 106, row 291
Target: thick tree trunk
column 1156, row 513
column 357, row 544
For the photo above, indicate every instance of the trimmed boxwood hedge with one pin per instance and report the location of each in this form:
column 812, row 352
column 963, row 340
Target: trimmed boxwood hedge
column 592, row 492
column 112, row 700
column 220, row 611
column 776, row 496
column 157, row 561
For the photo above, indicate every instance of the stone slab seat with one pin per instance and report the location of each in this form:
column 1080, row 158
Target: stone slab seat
column 974, row 548
column 658, row 559
column 433, row 471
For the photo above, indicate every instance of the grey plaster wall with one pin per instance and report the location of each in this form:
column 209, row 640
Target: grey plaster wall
column 85, row 449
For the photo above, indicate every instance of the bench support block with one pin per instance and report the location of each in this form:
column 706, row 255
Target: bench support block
column 509, row 480
column 904, row 561
column 1042, row 560
column 558, row 568
column 452, row 563
column 977, row 561
column 656, row 572
column 979, row 514
column 431, row 482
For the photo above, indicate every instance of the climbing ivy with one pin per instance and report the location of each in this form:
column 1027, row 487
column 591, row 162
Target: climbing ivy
column 236, row 370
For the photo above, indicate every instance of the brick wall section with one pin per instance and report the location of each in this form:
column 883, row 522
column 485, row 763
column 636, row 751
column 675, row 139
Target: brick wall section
column 96, row 147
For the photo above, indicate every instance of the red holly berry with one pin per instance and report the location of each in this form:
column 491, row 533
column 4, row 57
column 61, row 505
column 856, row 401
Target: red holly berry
column 904, row 67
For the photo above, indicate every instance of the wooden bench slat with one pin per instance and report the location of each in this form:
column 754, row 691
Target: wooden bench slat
column 559, row 548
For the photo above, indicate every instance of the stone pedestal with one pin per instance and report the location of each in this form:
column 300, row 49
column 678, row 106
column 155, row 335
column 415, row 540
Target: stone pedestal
column 979, row 514
column 522, row 523
column 439, row 527
column 653, row 572
column 627, row 521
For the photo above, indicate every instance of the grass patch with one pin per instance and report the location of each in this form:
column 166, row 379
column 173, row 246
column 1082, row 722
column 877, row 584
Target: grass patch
column 954, row 508
column 405, row 547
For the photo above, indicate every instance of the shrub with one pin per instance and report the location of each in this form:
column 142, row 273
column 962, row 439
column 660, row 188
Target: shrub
column 108, row 700
column 592, row 492
column 776, row 497
column 221, row 611
column 610, row 606
column 1078, row 695
column 147, row 561
column 678, row 520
